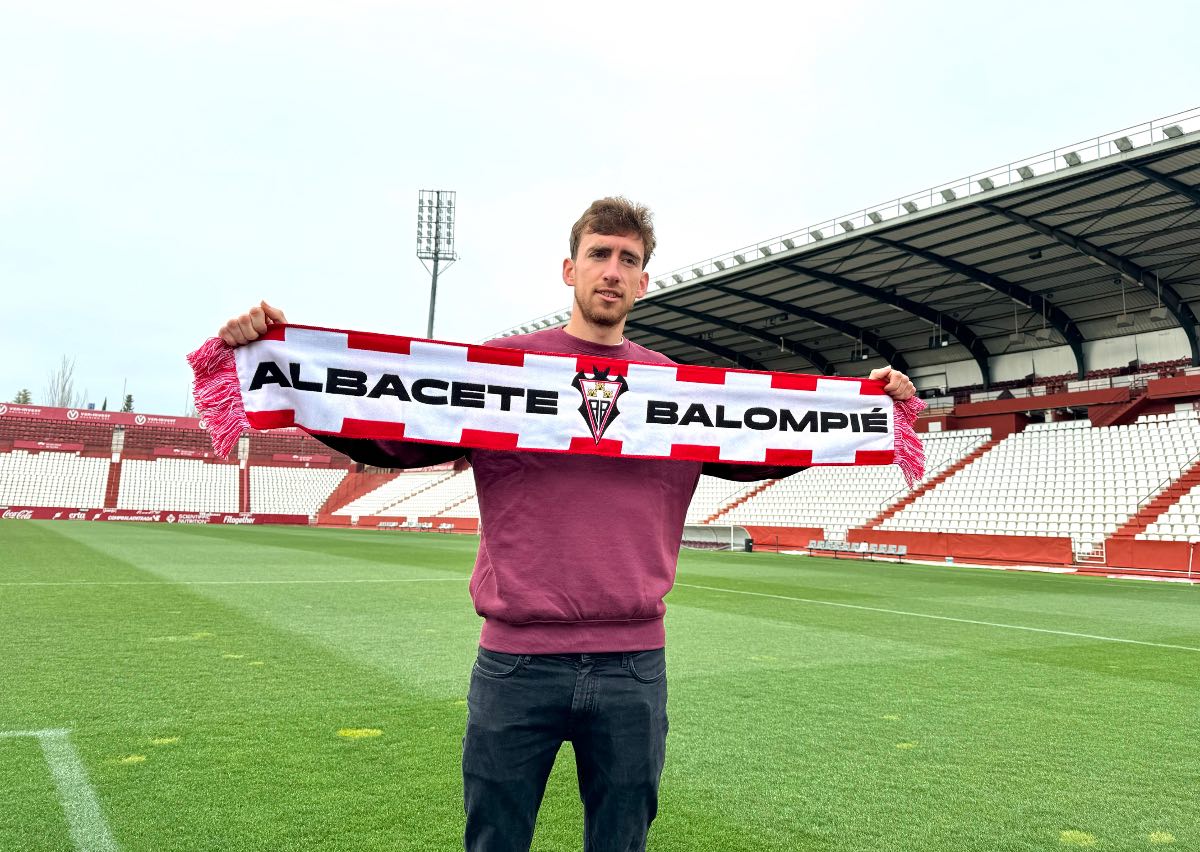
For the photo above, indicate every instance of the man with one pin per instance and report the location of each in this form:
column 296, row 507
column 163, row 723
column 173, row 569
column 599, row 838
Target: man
column 576, row 555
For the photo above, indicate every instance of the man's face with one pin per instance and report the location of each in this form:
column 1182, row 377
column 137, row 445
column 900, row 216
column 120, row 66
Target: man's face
column 607, row 277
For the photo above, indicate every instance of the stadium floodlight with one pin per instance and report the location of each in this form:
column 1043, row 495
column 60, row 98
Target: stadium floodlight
column 1173, row 132
column 697, row 271
column 561, row 317
column 1072, row 158
column 910, row 206
column 719, row 264
column 847, row 225
column 1160, row 314
column 816, row 234
column 875, row 217
column 949, row 195
column 1025, row 172
column 1123, row 144
column 1124, row 321
column 1042, row 334
column 660, row 283
column 766, row 250
column 986, row 184
column 788, row 242
column 1017, row 337
column 678, row 278
column 435, row 238
column 740, row 258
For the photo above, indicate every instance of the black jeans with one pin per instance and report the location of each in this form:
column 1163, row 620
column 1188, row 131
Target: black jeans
column 520, row 709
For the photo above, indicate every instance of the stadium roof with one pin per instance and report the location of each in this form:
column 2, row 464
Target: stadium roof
column 1090, row 241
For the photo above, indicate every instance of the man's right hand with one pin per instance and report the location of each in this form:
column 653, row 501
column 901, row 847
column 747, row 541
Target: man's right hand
column 250, row 325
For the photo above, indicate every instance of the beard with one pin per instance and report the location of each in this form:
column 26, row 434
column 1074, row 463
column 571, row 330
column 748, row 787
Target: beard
column 607, row 316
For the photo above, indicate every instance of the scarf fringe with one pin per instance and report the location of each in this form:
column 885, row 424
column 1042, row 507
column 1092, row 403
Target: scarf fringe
column 218, row 394
column 910, row 454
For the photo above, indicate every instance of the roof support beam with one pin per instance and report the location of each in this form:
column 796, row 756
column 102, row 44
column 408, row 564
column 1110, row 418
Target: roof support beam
column 734, row 357
column 889, row 352
column 785, row 345
column 1055, row 315
column 1176, row 186
column 960, row 331
column 1138, row 275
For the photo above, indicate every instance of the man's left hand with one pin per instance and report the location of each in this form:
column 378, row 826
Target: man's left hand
column 899, row 387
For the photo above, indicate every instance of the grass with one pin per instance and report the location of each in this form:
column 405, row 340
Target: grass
column 302, row 689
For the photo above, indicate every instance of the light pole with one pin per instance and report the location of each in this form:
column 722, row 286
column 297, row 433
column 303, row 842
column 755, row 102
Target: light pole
column 435, row 238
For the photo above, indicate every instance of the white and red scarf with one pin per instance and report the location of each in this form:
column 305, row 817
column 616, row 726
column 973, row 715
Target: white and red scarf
column 363, row 385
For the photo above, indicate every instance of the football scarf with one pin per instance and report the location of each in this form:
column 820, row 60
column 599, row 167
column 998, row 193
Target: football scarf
column 363, row 385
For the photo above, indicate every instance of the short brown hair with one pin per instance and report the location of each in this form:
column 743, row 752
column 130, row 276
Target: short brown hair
column 615, row 217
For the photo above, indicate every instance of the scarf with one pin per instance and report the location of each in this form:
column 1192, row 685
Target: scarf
column 376, row 386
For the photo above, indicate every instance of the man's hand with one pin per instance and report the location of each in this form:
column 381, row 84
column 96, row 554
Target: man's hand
column 898, row 387
column 250, row 325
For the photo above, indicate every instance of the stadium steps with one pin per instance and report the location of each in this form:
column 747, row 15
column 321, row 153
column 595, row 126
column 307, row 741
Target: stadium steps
column 1119, row 413
column 446, row 512
column 112, row 488
column 931, row 484
column 355, row 485
column 740, row 500
column 244, row 488
column 1166, row 498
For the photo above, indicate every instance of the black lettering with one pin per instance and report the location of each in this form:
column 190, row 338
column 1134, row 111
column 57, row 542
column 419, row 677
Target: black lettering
column 268, row 373
column 419, row 394
column 346, row 382
column 298, row 383
column 662, row 411
column 466, row 395
column 722, row 423
column 695, row 414
column 855, row 426
column 389, row 384
column 788, row 422
column 767, row 421
column 506, row 394
column 541, row 401
column 875, row 421
column 833, row 420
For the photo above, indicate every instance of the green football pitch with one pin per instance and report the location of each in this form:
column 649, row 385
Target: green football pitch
column 195, row 688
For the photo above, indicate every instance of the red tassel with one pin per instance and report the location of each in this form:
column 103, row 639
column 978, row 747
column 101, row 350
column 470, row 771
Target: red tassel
column 218, row 394
column 910, row 454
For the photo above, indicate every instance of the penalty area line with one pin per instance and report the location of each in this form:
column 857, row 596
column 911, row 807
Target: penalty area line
column 226, row 582
column 85, row 820
column 941, row 617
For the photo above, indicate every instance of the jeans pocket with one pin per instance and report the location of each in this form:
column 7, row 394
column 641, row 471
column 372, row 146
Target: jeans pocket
column 497, row 663
column 648, row 666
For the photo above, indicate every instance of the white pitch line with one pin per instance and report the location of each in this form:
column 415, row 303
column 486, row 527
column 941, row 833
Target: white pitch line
column 85, row 819
column 941, row 617
column 226, row 582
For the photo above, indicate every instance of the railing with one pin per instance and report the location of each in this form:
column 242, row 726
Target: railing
column 1065, row 158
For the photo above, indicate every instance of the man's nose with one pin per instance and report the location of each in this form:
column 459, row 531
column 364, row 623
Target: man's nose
column 612, row 270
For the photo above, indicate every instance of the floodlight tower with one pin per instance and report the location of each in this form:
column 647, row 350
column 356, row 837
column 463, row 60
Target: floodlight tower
column 435, row 237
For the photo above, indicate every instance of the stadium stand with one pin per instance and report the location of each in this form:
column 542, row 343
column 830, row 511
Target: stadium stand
column 383, row 500
column 837, row 498
column 178, row 485
column 1059, row 479
column 95, row 437
column 443, row 497
column 291, row 490
column 714, row 495
column 1179, row 523
column 52, row 479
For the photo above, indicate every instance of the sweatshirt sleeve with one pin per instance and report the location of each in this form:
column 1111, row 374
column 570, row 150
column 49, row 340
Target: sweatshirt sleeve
column 747, row 472
column 394, row 454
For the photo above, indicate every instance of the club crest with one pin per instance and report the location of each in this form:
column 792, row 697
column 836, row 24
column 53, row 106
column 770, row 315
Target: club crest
column 599, row 392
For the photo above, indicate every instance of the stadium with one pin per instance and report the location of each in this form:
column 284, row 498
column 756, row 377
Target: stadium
column 1008, row 647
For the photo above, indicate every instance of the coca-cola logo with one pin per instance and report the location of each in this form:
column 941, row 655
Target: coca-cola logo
column 17, row 515
column 72, row 414
column 139, row 419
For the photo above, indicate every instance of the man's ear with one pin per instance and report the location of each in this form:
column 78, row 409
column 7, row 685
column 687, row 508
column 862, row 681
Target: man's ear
column 569, row 272
column 643, row 284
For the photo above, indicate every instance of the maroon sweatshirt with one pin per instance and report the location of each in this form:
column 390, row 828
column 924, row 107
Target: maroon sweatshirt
column 576, row 552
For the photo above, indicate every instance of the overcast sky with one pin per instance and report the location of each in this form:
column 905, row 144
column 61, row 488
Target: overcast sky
column 164, row 165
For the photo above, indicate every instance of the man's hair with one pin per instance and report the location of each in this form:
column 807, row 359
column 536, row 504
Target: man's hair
column 615, row 217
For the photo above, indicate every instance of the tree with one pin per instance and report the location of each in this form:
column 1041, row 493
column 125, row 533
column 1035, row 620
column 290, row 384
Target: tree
column 128, row 406
column 23, row 397
column 104, row 407
column 60, row 386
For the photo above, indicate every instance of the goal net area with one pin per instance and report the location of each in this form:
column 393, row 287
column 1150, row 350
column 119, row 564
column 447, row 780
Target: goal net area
column 705, row 537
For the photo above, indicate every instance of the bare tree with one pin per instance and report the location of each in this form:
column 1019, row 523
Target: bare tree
column 60, row 386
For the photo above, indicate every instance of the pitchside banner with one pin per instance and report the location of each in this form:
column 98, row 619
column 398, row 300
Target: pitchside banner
column 366, row 385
